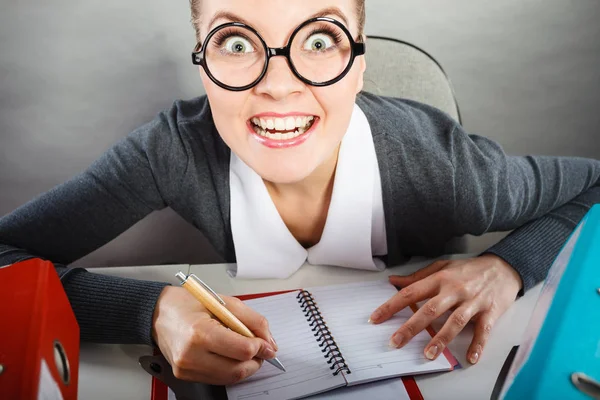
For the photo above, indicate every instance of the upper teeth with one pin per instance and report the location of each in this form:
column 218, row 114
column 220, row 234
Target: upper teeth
column 282, row 124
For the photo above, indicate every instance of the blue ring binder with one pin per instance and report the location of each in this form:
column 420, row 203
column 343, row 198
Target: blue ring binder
column 559, row 357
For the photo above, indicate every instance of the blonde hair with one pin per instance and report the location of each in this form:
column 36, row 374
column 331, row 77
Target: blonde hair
column 195, row 7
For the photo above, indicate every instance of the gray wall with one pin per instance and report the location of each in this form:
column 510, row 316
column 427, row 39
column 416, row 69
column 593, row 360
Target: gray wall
column 77, row 76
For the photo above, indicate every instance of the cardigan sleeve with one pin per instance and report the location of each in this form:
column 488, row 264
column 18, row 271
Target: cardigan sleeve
column 71, row 220
column 542, row 198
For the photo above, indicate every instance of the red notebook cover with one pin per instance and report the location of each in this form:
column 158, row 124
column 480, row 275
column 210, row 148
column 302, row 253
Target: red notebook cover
column 160, row 390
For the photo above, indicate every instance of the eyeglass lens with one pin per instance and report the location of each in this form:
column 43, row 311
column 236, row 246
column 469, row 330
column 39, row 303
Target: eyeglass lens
column 320, row 52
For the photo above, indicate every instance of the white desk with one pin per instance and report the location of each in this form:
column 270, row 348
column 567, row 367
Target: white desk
column 112, row 371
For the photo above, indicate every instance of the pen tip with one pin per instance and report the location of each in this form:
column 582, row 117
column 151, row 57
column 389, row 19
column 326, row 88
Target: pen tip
column 275, row 362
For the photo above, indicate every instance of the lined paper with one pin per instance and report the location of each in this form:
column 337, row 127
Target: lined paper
column 388, row 389
column 346, row 309
column 307, row 369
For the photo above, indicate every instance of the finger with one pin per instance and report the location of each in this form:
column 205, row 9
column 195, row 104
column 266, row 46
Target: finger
column 228, row 343
column 399, row 280
column 215, row 369
column 453, row 326
column 256, row 322
column 406, row 296
column 483, row 327
column 422, row 319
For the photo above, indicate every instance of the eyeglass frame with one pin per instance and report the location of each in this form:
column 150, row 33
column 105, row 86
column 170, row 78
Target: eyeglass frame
column 198, row 55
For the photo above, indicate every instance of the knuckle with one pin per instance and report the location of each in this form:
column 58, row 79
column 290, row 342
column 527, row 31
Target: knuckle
column 410, row 330
column 200, row 337
column 430, row 309
column 486, row 328
column 385, row 309
column 443, row 340
column 443, row 274
column 478, row 347
column 247, row 352
column 459, row 320
column 407, row 292
column 262, row 323
column 234, row 301
column 463, row 290
column 180, row 361
column 178, row 372
column 239, row 373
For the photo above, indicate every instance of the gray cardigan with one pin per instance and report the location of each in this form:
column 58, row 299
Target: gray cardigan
column 437, row 181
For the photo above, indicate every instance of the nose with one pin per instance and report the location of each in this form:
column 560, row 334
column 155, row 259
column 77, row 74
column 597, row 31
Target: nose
column 279, row 80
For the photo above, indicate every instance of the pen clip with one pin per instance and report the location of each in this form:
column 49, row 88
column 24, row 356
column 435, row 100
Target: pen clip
column 183, row 278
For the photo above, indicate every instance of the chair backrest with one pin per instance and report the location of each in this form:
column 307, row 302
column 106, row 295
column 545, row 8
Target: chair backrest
column 400, row 69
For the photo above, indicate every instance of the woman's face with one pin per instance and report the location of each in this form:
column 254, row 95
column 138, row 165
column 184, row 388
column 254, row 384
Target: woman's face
column 280, row 94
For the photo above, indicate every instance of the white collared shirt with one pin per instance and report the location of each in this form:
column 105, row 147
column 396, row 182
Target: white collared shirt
column 354, row 231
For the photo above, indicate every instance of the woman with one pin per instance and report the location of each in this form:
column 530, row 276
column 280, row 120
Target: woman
column 289, row 159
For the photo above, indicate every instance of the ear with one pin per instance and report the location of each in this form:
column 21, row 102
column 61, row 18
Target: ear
column 361, row 60
column 362, row 68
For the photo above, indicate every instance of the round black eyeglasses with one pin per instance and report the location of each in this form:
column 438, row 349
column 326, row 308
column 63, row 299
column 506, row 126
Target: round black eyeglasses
column 320, row 52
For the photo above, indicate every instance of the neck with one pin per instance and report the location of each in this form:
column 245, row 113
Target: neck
column 316, row 185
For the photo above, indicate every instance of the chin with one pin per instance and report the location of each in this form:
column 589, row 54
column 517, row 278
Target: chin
column 284, row 175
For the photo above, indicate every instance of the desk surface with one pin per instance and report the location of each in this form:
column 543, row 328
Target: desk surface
column 112, row 371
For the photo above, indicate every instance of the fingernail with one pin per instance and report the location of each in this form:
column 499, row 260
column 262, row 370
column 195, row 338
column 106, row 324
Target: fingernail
column 375, row 317
column 474, row 357
column 396, row 340
column 272, row 339
column 431, row 352
column 269, row 353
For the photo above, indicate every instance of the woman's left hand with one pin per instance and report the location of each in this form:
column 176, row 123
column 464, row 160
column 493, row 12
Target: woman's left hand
column 479, row 289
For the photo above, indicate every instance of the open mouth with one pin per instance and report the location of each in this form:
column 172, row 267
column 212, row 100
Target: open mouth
column 282, row 128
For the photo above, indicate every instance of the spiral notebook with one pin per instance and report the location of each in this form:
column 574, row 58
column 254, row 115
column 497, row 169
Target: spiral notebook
column 326, row 342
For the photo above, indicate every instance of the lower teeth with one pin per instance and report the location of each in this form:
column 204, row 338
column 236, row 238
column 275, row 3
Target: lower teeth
column 280, row 135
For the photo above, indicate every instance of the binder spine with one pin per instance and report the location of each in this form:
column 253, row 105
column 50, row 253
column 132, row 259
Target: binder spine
column 329, row 347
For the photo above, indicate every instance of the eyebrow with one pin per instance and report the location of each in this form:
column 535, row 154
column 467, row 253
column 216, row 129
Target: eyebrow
column 233, row 17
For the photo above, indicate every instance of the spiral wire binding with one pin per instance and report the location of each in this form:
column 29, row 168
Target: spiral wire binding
column 329, row 347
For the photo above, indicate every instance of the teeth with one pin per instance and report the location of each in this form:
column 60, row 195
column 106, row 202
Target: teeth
column 286, row 128
column 279, row 135
column 290, row 123
column 282, row 124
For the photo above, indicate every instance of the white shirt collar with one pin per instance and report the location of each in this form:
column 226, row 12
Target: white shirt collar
column 354, row 230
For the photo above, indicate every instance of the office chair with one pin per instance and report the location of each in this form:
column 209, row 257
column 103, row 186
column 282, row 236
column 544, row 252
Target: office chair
column 399, row 69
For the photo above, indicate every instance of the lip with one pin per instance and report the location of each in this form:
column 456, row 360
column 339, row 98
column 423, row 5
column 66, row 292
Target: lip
column 277, row 115
column 282, row 144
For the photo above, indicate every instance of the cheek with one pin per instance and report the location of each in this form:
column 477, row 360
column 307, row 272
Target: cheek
column 337, row 102
column 226, row 106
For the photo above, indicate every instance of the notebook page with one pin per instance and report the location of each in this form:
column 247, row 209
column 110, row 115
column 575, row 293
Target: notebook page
column 307, row 369
column 388, row 389
column 346, row 309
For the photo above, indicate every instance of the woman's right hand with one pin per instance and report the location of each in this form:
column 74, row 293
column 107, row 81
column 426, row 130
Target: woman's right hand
column 199, row 348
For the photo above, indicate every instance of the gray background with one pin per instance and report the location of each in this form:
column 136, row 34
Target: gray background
column 77, row 76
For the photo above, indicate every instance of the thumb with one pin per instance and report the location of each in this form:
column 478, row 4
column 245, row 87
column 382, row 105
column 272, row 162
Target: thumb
column 405, row 280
